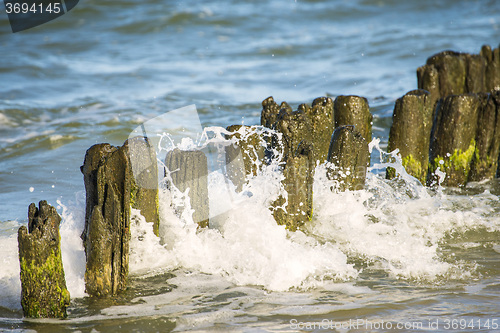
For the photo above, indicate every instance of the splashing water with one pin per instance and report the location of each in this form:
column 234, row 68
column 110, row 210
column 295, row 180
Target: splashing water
column 394, row 226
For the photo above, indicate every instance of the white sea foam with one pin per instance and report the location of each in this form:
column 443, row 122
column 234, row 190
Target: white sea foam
column 6, row 122
column 393, row 225
column 73, row 255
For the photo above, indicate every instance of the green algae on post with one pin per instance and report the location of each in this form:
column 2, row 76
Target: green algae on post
column 453, row 138
column 456, row 165
column 318, row 119
column 43, row 284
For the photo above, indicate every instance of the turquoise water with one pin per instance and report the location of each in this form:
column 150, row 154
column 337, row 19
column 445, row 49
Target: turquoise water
column 395, row 252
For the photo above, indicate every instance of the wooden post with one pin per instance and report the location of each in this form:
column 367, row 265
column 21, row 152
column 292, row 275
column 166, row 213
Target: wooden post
column 107, row 175
column 322, row 125
column 475, row 68
column 354, row 111
column 43, row 285
column 295, row 128
column 298, row 174
column 298, row 168
column 452, row 73
column 411, row 132
column 492, row 75
column 270, row 111
column 428, row 79
column 349, row 157
column 189, row 169
column 245, row 156
column 144, row 180
column 453, row 143
column 485, row 160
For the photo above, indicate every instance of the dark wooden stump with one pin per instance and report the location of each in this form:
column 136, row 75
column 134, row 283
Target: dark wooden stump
column 453, row 143
column 350, row 157
column 411, row 132
column 189, row 169
column 452, row 73
column 244, row 157
column 108, row 178
column 298, row 174
column 492, row 74
column 475, row 80
column 43, row 284
column 270, row 111
column 428, row 80
column 322, row 125
column 485, row 160
column 354, row 111
column 298, row 167
column 295, row 128
column 144, row 183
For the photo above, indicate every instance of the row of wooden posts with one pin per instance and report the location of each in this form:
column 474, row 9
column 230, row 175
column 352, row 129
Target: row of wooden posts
column 451, row 122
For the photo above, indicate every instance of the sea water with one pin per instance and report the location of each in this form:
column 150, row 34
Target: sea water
column 395, row 256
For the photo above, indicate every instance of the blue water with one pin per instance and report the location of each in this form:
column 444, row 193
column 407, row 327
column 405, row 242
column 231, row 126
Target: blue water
column 94, row 73
column 99, row 71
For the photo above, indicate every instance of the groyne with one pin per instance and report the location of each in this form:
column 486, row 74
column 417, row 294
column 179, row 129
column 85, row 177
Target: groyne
column 449, row 124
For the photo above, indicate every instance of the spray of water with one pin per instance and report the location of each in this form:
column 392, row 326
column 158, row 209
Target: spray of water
column 396, row 226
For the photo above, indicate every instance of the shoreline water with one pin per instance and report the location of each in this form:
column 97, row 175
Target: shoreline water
column 101, row 70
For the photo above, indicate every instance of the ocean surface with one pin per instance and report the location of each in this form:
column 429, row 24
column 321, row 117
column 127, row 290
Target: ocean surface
column 394, row 257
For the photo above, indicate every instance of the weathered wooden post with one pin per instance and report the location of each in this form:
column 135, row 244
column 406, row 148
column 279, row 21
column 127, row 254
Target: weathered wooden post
column 298, row 172
column 452, row 73
column 43, row 284
column 322, row 125
column 453, row 143
column 189, row 170
column 270, row 111
column 411, row 132
column 449, row 69
column 245, row 156
column 354, row 111
column 144, row 180
column 116, row 178
column 298, row 168
column 492, row 74
column 320, row 119
column 349, row 157
column 485, row 160
column 107, row 176
column 295, row 127
column 428, row 80
column 475, row 68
